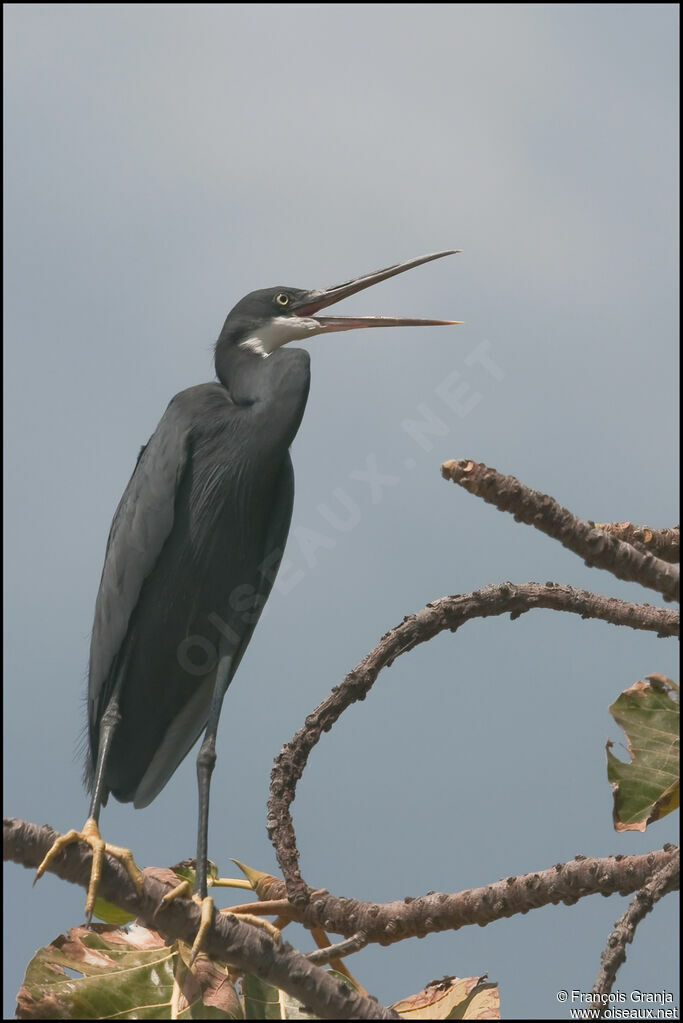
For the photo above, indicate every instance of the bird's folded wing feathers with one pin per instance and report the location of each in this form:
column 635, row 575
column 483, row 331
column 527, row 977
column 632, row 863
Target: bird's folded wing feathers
column 192, row 717
column 141, row 526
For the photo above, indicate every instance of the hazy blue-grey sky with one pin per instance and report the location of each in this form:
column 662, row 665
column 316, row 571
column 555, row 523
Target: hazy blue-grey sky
column 163, row 160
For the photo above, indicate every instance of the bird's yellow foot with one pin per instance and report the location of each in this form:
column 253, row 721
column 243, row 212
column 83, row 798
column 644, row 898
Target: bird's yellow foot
column 257, row 921
column 181, row 891
column 91, row 835
column 204, row 925
column 184, row 891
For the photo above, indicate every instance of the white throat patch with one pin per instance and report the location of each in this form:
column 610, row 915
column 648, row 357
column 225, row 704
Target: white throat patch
column 280, row 331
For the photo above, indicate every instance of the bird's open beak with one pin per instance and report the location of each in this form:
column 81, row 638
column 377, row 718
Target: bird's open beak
column 315, row 300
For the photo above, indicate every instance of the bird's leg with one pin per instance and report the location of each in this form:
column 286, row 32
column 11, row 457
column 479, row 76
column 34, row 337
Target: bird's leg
column 91, row 832
column 206, row 761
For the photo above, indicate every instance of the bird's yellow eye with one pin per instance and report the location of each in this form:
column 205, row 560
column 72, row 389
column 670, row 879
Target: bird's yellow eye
column 282, row 299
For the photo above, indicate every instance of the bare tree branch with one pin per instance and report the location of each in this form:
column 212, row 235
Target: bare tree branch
column 438, row 911
column 446, row 613
column 250, row 949
column 664, row 543
column 247, row 948
column 597, row 547
column 664, row 880
column 338, row 951
column 362, row 922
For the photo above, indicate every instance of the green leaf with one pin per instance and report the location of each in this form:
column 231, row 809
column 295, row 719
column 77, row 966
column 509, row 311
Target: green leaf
column 186, row 871
column 646, row 787
column 263, row 1001
column 260, row 1000
column 111, row 914
column 105, row 972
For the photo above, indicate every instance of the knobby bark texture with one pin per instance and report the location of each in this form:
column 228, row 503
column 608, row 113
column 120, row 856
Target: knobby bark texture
column 664, row 543
column 598, row 547
column 248, row 948
column 633, row 553
column 361, row 922
column 666, row 878
column 448, row 613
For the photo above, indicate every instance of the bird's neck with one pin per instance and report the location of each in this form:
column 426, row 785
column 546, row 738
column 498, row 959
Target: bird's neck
column 235, row 372
column 275, row 389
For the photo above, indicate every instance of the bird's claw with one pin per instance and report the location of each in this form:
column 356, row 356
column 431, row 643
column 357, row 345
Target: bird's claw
column 204, row 925
column 181, row 891
column 91, row 835
column 257, row 921
column 184, row 891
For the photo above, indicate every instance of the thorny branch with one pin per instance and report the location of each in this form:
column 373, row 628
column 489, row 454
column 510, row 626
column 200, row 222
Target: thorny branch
column 362, row 922
column 247, row 948
column 446, row 613
column 598, row 547
column 665, row 879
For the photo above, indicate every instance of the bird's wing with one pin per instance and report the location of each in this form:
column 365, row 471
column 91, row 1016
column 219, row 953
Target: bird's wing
column 191, row 719
column 141, row 526
column 273, row 547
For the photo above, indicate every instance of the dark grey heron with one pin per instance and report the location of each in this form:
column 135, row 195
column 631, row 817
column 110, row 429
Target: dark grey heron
column 192, row 554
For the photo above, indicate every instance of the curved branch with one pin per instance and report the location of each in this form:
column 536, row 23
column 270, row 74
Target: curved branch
column 362, row 922
column 664, row 543
column 248, row 948
column 439, row 911
column 446, row 613
column 597, row 547
column 664, row 880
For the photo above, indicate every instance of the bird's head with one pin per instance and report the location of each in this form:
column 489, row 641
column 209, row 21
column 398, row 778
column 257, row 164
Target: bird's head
column 265, row 320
